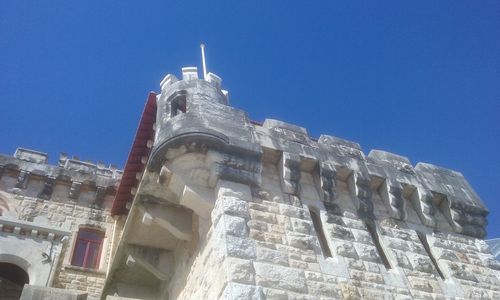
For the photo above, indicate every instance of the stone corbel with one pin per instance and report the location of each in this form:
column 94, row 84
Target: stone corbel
column 74, row 190
column 22, row 179
column 359, row 185
column 177, row 221
column 289, row 170
column 466, row 221
column 158, row 262
column 235, row 167
column 48, row 188
column 421, row 199
column 100, row 195
column 392, row 194
column 327, row 172
column 165, row 176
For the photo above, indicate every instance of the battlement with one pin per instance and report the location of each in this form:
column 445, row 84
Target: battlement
column 28, row 173
column 193, row 113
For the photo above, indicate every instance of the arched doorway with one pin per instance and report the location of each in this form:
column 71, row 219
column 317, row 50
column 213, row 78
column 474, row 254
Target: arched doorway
column 12, row 280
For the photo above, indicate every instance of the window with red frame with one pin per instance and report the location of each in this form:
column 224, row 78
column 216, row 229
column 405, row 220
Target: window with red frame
column 88, row 246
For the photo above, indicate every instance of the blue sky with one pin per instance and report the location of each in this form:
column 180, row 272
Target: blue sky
column 417, row 78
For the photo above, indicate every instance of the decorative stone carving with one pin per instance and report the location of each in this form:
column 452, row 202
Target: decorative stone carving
column 463, row 208
column 422, row 201
column 74, row 190
column 100, row 195
column 327, row 183
column 48, row 187
column 392, row 193
column 360, row 186
column 22, row 179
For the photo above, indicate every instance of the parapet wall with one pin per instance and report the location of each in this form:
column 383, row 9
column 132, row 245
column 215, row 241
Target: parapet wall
column 28, row 173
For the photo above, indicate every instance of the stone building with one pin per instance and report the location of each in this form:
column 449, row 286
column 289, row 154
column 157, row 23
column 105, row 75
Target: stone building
column 55, row 225
column 211, row 205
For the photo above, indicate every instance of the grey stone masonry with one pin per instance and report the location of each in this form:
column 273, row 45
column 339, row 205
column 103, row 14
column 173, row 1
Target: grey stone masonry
column 264, row 211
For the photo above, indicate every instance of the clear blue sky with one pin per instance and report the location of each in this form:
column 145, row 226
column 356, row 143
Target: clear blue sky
column 417, row 78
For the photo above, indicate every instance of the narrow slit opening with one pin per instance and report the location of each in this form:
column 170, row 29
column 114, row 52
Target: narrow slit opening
column 423, row 239
column 318, row 227
column 372, row 230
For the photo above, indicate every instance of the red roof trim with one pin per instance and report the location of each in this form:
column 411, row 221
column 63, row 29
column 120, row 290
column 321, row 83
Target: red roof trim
column 139, row 149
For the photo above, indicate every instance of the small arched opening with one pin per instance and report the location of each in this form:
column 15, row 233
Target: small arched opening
column 12, row 280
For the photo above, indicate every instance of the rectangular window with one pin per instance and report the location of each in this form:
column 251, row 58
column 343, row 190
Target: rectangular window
column 88, row 247
column 319, row 232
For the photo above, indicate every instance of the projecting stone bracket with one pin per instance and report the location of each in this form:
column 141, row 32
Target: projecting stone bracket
column 359, row 185
column 463, row 219
column 74, row 191
column 158, row 262
column 392, row 194
column 289, row 170
column 175, row 220
column 237, row 167
column 48, row 187
column 458, row 202
column 422, row 201
column 100, row 195
column 325, row 177
column 22, row 179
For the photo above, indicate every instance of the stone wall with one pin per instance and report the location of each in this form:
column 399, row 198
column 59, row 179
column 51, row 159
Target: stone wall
column 267, row 248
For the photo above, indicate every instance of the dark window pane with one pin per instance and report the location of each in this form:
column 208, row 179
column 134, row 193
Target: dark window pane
column 79, row 253
column 93, row 256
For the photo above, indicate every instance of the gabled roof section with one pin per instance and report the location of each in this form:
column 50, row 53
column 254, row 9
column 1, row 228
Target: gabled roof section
column 135, row 160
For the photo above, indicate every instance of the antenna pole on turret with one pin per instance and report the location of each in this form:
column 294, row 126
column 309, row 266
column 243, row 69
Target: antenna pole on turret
column 202, row 46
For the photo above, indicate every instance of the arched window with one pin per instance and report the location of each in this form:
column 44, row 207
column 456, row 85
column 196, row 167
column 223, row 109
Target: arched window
column 88, row 248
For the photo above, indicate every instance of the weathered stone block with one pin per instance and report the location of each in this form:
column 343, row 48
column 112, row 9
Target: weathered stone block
column 238, row 291
column 349, row 292
column 263, row 216
column 367, row 252
column 346, row 249
column 272, row 256
column 275, row 294
column 236, row 226
column 340, row 232
column 268, row 275
column 323, row 289
column 240, row 247
column 301, row 241
column 231, row 206
column 240, row 270
column 301, row 226
column 293, row 211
